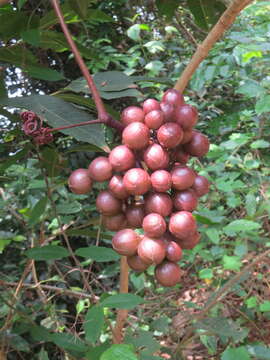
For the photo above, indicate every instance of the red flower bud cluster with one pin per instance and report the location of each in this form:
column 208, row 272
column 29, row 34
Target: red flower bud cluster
column 33, row 126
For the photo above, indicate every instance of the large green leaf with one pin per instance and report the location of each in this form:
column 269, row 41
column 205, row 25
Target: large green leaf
column 38, row 210
column 241, row 225
column 206, row 12
column 23, row 58
column 48, row 252
column 80, row 7
column 167, row 7
column 119, row 352
column 58, row 113
column 98, row 253
column 122, row 301
column 93, row 323
column 14, row 22
column 235, row 353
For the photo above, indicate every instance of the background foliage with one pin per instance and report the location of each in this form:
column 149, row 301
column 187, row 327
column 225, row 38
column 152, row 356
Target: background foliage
column 136, row 50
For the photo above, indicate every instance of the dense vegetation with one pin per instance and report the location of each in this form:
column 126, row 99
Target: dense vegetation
column 59, row 276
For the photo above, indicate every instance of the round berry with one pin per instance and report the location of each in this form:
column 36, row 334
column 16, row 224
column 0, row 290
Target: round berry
column 182, row 224
column 182, row 177
column 154, row 119
column 137, row 181
column 135, row 215
column 121, row 158
column 161, row 180
column 159, row 203
column 132, row 114
column 80, row 182
column 154, row 225
column 174, row 97
column 108, row 204
column 173, row 251
column 198, row 145
column 117, row 187
column 136, row 263
column 156, row 157
column 115, row 222
column 136, row 135
column 170, row 135
column 150, row 105
column 186, row 116
column 100, row 169
column 201, row 185
column 125, row 242
column 190, row 242
column 168, row 273
column 151, row 251
column 185, row 200
column 168, row 111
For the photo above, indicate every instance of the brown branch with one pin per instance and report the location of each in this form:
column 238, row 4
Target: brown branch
column 187, row 34
column 225, row 21
column 4, row 2
column 66, row 292
column 103, row 116
column 122, row 313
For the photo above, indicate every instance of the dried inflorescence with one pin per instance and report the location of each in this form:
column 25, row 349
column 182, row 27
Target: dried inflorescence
column 33, row 126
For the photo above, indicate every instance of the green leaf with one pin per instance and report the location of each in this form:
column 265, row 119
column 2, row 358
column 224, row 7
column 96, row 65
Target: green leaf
column 265, row 306
column 48, row 252
column 98, row 253
column 119, row 352
column 21, row 3
column 235, row 353
column 12, row 159
column 213, row 235
column 31, row 36
column 260, row 144
column 38, row 210
column 43, row 73
column 251, row 89
column 241, row 226
column 58, row 113
column 122, row 301
column 51, row 19
column 206, row 12
column 69, row 343
column 112, row 81
column 222, row 327
column 259, row 352
column 231, row 262
column 251, row 302
column 161, row 324
column 167, row 7
column 69, row 208
column 95, row 352
column 135, row 30
column 263, row 105
column 251, row 204
column 93, row 323
column 206, row 274
column 80, row 7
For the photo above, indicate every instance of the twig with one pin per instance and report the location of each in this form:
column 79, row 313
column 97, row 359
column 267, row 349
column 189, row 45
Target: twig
column 225, row 21
column 103, row 116
column 122, row 313
column 4, row 2
column 55, row 289
column 187, row 34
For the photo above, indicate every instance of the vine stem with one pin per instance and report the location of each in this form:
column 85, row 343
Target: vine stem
column 224, row 22
column 75, row 125
column 122, row 313
column 103, row 116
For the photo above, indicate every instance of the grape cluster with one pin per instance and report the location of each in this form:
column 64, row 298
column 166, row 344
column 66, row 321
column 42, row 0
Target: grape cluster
column 150, row 186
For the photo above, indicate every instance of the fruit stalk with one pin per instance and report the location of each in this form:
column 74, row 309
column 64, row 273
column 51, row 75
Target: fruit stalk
column 122, row 313
column 103, row 116
column 225, row 21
